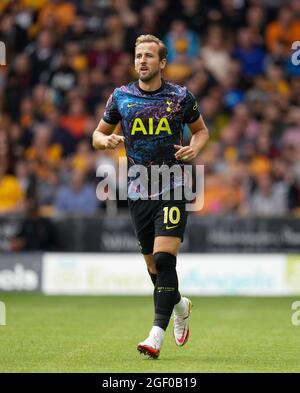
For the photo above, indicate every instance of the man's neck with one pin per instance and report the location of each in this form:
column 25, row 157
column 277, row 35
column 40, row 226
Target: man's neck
column 151, row 85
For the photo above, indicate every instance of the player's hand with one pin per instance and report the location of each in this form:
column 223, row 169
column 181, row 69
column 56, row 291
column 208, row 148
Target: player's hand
column 185, row 153
column 113, row 140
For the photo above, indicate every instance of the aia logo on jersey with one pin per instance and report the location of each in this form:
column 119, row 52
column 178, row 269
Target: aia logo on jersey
column 148, row 128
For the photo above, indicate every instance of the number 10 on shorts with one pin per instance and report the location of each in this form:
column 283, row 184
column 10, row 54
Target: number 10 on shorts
column 171, row 214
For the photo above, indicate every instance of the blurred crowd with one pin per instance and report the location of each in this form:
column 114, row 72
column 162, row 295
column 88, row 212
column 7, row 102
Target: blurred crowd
column 65, row 57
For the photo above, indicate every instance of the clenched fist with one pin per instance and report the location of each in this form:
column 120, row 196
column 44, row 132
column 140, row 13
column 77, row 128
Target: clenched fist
column 113, row 140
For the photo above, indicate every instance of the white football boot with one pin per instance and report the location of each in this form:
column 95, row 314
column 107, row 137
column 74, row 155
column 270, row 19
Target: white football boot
column 152, row 345
column 181, row 327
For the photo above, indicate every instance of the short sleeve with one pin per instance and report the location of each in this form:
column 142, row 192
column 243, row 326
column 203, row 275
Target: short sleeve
column 111, row 113
column 191, row 110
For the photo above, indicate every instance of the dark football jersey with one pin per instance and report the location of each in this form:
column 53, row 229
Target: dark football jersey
column 152, row 122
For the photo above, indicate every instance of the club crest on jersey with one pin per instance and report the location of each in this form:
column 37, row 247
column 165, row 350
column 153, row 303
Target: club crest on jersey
column 148, row 129
column 169, row 103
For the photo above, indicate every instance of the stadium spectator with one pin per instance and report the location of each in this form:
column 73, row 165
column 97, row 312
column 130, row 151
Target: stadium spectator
column 42, row 55
column 11, row 194
column 250, row 55
column 256, row 22
column 75, row 120
column 60, row 135
column 233, row 93
column 83, row 159
column 195, row 14
column 102, row 56
column 78, row 197
column 62, row 78
column 180, row 40
column 43, row 153
column 18, row 84
column 215, row 52
column 61, row 11
column 46, row 192
column 284, row 30
column 269, row 199
column 77, row 59
column 148, row 20
column 14, row 36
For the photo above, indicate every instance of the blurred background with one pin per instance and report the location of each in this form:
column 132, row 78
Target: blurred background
column 65, row 57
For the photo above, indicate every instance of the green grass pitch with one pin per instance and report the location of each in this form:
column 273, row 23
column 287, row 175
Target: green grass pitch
column 100, row 334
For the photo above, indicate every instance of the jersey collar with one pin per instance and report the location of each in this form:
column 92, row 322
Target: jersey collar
column 151, row 92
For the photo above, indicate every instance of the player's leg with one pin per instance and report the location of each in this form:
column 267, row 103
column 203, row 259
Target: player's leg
column 170, row 224
column 170, row 244
column 146, row 243
column 165, row 251
column 165, row 292
column 170, row 220
column 151, row 267
column 141, row 215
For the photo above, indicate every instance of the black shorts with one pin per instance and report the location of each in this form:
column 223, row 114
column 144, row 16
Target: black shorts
column 157, row 218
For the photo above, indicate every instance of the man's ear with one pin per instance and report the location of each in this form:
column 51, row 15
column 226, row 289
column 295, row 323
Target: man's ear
column 163, row 63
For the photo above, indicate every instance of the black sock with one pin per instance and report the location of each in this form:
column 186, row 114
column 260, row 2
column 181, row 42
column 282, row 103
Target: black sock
column 166, row 293
column 153, row 277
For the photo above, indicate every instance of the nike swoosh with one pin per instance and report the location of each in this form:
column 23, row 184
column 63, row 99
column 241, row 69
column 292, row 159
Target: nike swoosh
column 174, row 226
column 180, row 340
column 129, row 105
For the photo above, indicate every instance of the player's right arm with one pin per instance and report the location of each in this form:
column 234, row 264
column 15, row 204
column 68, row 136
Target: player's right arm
column 103, row 137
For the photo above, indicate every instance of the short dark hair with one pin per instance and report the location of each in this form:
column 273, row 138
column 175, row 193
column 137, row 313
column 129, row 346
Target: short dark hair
column 162, row 51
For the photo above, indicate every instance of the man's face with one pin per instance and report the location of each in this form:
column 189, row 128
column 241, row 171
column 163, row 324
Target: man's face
column 147, row 62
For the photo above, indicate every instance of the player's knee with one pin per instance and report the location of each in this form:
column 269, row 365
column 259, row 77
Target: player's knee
column 164, row 261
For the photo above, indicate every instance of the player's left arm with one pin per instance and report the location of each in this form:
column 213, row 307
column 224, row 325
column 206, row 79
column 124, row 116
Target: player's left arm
column 199, row 138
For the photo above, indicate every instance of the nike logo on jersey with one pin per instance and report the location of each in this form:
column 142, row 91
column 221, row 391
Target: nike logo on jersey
column 130, row 105
column 171, row 227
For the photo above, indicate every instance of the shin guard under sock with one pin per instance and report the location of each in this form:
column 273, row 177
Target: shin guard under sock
column 166, row 293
